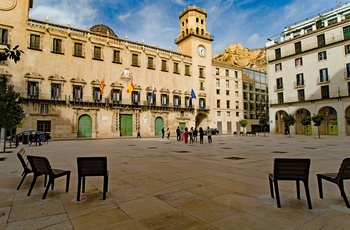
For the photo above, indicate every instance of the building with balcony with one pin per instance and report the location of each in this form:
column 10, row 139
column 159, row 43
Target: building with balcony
column 309, row 72
column 91, row 83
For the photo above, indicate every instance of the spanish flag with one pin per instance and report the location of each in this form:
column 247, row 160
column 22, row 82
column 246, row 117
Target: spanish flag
column 102, row 86
column 130, row 88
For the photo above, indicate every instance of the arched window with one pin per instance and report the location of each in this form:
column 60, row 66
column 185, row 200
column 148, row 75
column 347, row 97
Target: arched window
column 197, row 30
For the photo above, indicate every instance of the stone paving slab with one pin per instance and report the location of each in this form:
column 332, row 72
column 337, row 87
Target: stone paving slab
column 158, row 183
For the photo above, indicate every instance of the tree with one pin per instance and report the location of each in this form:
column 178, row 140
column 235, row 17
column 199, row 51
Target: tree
column 263, row 121
column 288, row 120
column 317, row 119
column 14, row 54
column 306, row 121
column 243, row 123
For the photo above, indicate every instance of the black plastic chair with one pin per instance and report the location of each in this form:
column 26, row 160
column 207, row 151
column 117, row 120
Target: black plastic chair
column 92, row 166
column 290, row 169
column 41, row 166
column 336, row 178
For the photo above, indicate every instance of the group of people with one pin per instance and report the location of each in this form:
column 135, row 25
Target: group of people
column 185, row 134
column 34, row 138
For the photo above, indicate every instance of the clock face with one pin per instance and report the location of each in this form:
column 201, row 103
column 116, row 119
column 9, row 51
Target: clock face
column 201, row 50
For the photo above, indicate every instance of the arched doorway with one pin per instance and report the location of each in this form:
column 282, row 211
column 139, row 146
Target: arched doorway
column 279, row 121
column 329, row 126
column 85, row 126
column 299, row 128
column 199, row 120
column 159, row 124
column 347, row 114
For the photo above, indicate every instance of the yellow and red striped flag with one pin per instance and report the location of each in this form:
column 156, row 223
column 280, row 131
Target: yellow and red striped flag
column 130, row 88
column 102, row 86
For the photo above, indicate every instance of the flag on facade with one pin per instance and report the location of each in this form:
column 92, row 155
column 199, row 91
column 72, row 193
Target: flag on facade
column 102, row 86
column 193, row 95
column 130, row 88
column 152, row 94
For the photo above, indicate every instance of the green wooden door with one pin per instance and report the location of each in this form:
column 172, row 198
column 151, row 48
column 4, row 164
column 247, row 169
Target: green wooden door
column 85, row 126
column 332, row 128
column 159, row 124
column 126, row 125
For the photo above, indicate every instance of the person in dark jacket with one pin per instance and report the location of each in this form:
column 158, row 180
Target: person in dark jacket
column 201, row 135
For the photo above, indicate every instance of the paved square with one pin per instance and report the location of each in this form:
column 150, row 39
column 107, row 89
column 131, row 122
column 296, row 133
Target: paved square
column 158, row 183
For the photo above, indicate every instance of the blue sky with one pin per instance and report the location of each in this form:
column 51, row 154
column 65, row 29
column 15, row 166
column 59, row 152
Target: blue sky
column 156, row 22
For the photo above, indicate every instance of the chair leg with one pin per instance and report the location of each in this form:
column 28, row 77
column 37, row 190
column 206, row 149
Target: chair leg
column 23, row 177
column 79, row 188
column 271, row 187
column 83, row 190
column 32, row 185
column 51, row 181
column 105, row 186
column 67, row 182
column 343, row 194
column 277, row 194
column 45, row 180
column 298, row 189
column 308, row 197
column 320, row 189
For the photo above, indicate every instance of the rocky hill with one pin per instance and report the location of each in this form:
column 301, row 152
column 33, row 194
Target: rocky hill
column 239, row 56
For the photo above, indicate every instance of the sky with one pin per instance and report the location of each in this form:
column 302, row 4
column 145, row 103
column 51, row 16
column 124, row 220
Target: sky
column 156, row 22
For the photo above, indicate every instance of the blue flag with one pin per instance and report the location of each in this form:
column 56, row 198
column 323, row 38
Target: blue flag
column 193, row 95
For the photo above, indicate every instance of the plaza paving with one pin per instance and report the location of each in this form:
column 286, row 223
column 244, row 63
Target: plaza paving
column 158, row 183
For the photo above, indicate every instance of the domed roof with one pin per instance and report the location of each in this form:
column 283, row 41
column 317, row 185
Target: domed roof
column 103, row 29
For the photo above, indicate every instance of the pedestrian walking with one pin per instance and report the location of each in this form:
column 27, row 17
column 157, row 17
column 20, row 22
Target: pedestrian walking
column 168, row 133
column 201, row 135
column 191, row 135
column 31, row 138
column 186, row 135
column 195, row 134
column 209, row 135
column 138, row 133
column 182, row 134
column 178, row 133
column 163, row 131
column 37, row 139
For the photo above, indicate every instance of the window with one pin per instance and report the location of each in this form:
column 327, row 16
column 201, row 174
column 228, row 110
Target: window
column 150, row 63
column 44, row 109
column 278, row 53
column 346, row 31
column 237, row 114
column 116, row 96
column 227, row 83
column 300, row 79
column 77, row 93
column 236, row 74
column 279, row 83
column 228, row 104
column 135, row 60
column 228, row 114
column 217, row 71
column 55, row 91
column 324, row 75
column 201, row 86
column 33, row 90
column 176, row 67
column 97, row 53
column 298, row 62
column 151, row 100
column 227, row 73
column 348, row 70
column 202, row 103
column 218, row 91
column 227, row 92
column 44, row 126
column 301, row 95
column 322, row 55
column 332, row 21
column 177, row 101
column 236, row 93
column 78, row 49
column 135, row 97
column 280, row 98
column 297, row 47
column 116, row 56
column 236, row 84
column 164, row 66
column 237, row 104
column 187, row 70
column 347, row 49
column 164, row 99
column 57, row 46
column 201, row 72
column 325, row 91
column 321, row 40
column 217, row 82
column 34, row 42
column 348, row 88
column 278, row 67
column 4, row 36
column 188, row 102
column 218, row 113
column 97, row 94
column 217, row 103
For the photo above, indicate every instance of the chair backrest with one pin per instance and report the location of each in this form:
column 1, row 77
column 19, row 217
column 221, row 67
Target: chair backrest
column 92, row 166
column 291, row 169
column 344, row 170
column 22, row 156
column 40, row 165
